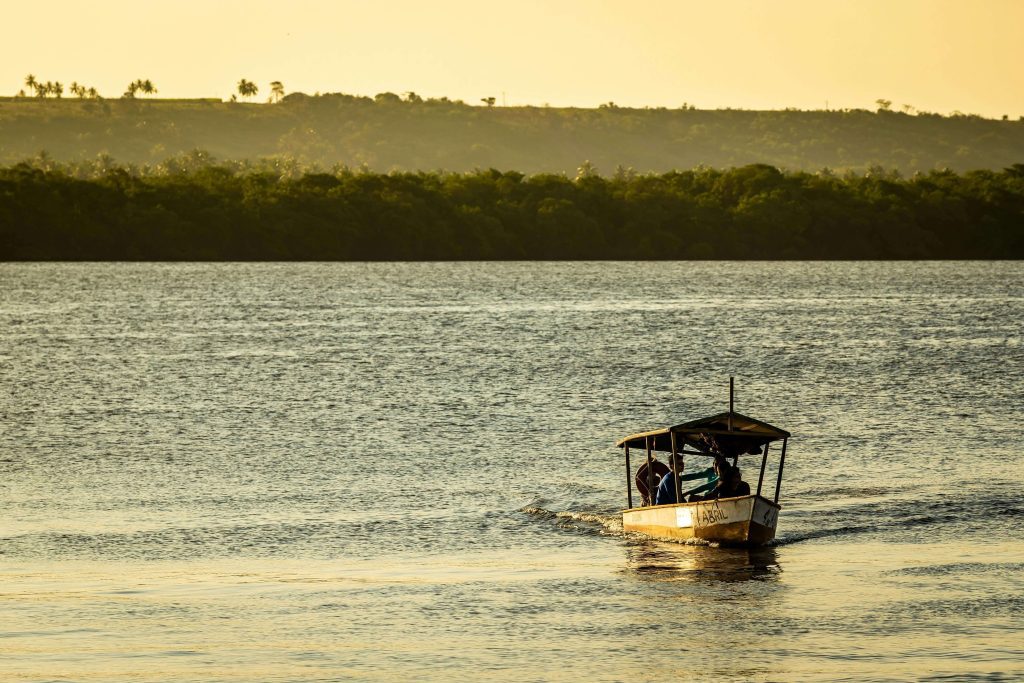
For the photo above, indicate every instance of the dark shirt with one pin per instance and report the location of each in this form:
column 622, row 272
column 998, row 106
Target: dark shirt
column 666, row 490
column 741, row 489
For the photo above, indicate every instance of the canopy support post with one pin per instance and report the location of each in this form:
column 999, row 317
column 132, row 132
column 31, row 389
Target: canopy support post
column 629, row 482
column 782, row 461
column 677, row 467
column 650, row 472
column 764, row 462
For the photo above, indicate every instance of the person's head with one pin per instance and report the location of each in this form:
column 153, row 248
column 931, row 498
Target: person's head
column 722, row 466
column 735, row 477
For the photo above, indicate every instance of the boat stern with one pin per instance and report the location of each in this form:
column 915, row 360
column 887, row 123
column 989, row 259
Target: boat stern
column 746, row 520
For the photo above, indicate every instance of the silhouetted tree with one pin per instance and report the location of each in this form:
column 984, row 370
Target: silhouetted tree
column 883, row 105
column 489, row 101
column 276, row 91
column 139, row 85
column 247, row 88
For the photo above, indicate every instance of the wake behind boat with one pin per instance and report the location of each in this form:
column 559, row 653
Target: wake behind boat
column 728, row 513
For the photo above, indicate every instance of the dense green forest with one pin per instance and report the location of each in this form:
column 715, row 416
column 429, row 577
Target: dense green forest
column 209, row 211
column 388, row 132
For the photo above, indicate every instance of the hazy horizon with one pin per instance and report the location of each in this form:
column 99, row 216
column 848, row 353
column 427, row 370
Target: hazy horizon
column 939, row 56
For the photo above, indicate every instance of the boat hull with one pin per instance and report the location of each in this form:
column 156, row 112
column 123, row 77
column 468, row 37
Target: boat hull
column 746, row 520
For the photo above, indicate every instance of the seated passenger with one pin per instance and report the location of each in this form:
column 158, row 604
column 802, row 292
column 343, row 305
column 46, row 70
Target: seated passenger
column 666, row 493
column 740, row 487
column 730, row 486
column 713, row 476
column 716, row 485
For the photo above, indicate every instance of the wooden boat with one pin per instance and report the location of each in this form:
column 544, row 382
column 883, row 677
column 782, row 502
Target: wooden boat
column 741, row 520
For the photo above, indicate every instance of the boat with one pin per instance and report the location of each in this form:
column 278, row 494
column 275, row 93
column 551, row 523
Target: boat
column 745, row 520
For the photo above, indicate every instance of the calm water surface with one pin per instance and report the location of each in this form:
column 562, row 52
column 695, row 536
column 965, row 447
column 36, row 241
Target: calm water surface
column 321, row 472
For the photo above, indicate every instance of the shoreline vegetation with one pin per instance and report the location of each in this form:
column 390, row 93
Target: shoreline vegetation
column 196, row 209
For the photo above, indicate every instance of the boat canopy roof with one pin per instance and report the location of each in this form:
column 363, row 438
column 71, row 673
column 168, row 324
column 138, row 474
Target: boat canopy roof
column 711, row 435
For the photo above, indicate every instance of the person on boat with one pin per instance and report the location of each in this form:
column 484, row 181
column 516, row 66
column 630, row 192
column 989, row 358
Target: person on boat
column 730, row 486
column 719, row 474
column 666, row 494
column 739, row 487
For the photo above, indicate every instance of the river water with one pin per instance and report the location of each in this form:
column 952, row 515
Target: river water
column 323, row 472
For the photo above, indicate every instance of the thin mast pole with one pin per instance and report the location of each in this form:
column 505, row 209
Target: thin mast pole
column 730, row 401
column 629, row 482
column 782, row 461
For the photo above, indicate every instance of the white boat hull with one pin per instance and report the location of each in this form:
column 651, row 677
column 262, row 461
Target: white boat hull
column 747, row 520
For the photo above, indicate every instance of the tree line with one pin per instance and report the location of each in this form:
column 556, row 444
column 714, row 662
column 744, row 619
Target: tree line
column 211, row 211
column 42, row 90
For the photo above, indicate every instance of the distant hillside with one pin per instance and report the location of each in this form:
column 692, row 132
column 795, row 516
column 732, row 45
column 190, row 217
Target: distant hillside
column 389, row 133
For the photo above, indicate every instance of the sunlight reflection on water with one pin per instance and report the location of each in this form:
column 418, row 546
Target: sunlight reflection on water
column 280, row 472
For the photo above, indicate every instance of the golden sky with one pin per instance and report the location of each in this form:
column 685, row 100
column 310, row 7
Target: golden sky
column 936, row 55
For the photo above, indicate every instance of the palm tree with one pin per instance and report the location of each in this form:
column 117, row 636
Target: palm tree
column 276, row 90
column 147, row 87
column 58, row 89
column 133, row 88
column 93, row 93
column 31, row 83
column 247, row 88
